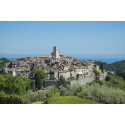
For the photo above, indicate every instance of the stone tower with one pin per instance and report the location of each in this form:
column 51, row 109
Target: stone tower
column 55, row 53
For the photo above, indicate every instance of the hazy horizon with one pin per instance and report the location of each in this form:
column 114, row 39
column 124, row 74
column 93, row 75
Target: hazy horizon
column 104, row 58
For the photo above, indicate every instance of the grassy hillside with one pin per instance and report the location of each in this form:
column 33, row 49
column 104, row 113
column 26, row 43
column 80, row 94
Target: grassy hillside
column 69, row 100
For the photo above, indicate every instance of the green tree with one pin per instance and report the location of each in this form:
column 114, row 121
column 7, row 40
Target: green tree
column 28, row 87
column 121, row 73
column 15, row 84
column 33, row 86
column 78, row 90
column 97, row 73
column 11, row 99
column 53, row 91
column 77, row 76
column 39, row 75
column 71, row 77
column 62, row 81
column 2, row 82
column 101, row 67
column 108, row 78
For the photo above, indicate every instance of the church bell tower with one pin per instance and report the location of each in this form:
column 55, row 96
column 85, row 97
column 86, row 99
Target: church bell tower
column 55, row 53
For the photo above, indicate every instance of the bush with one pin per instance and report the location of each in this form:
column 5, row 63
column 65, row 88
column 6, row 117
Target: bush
column 40, row 95
column 63, row 91
column 108, row 78
column 97, row 82
column 115, row 82
column 103, row 94
column 78, row 90
column 97, row 73
column 31, row 96
column 11, row 99
column 121, row 73
column 69, row 90
column 62, row 81
column 71, row 77
column 33, row 86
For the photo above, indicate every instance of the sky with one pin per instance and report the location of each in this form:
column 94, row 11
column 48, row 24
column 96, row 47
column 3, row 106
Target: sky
column 71, row 37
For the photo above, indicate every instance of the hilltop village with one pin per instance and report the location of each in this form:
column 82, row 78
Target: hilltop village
column 55, row 66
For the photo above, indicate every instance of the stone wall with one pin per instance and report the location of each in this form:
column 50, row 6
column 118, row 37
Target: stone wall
column 47, row 83
column 82, row 81
column 101, row 77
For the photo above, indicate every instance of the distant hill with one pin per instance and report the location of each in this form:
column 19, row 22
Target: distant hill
column 114, row 66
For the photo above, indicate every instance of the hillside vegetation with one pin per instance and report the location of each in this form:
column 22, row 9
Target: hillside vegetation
column 113, row 66
column 115, row 81
column 112, row 81
column 69, row 100
column 103, row 94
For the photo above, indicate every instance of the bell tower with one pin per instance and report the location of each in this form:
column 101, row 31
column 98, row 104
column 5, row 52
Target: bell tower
column 55, row 53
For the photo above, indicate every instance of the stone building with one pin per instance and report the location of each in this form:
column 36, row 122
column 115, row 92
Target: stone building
column 55, row 66
column 55, row 53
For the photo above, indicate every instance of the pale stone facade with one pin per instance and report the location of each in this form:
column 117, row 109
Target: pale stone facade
column 55, row 53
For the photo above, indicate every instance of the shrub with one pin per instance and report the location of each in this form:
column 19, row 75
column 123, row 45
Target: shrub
column 108, row 78
column 33, row 86
column 69, row 90
column 40, row 95
column 2, row 82
column 115, row 82
column 103, row 94
column 78, row 90
column 97, row 73
column 63, row 91
column 71, row 77
column 11, row 99
column 31, row 96
column 62, row 81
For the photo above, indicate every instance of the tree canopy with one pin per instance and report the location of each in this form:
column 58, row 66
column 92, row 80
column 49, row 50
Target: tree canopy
column 97, row 73
column 13, row 84
column 62, row 81
column 39, row 75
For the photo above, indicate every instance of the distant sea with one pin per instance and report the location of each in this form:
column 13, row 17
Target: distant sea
column 103, row 58
column 108, row 59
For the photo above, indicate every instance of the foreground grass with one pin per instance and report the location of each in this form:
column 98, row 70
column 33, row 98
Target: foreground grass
column 67, row 100
column 38, row 103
